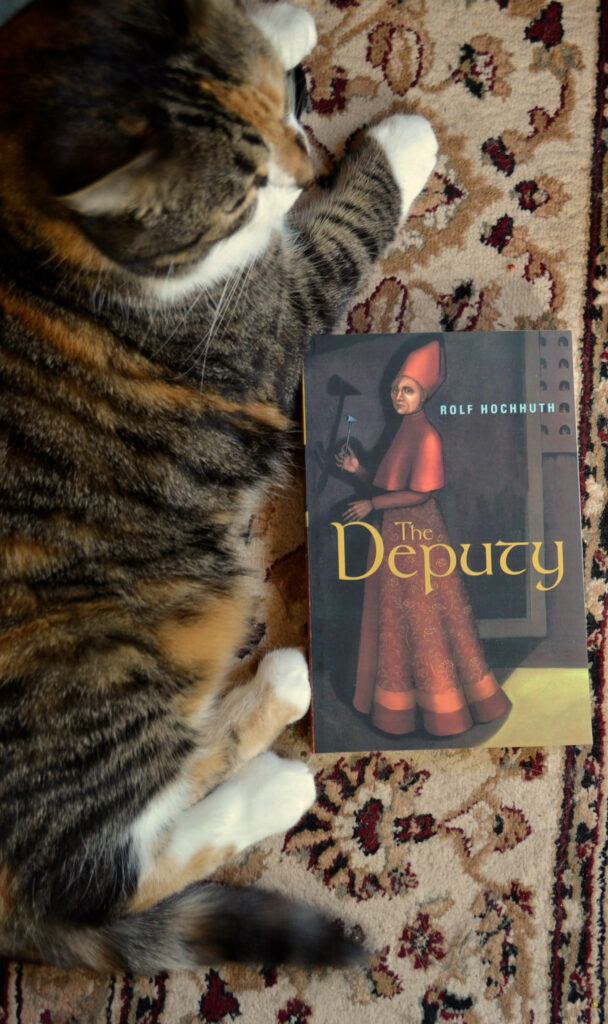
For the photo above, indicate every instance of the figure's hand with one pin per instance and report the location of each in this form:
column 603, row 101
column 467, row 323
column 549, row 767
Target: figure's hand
column 346, row 459
column 358, row 510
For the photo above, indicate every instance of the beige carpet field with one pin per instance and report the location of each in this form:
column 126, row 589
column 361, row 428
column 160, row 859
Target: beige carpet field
column 478, row 876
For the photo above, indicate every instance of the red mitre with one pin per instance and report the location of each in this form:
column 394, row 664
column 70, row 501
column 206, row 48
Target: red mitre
column 414, row 460
column 425, row 365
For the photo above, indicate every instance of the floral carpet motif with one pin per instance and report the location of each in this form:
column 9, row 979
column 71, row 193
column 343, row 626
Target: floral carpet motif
column 477, row 877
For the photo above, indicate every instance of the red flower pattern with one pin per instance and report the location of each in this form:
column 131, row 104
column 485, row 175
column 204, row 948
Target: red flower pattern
column 421, row 942
column 477, row 71
column 531, row 196
column 296, row 1012
column 548, row 27
column 500, row 155
column 218, row 1002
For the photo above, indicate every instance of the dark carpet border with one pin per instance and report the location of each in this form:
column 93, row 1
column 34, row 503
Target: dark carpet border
column 575, row 986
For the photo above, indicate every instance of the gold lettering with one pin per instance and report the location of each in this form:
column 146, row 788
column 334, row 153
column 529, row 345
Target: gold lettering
column 464, row 561
column 341, row 529
column 401, row 549
column 559, row 570
column 429, row 563
column 414, row 532
column 508, row 548
column 403, row 526
column 429, row 574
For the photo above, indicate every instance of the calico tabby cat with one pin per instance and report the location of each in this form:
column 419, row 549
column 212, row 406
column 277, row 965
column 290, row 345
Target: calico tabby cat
column 157, row 291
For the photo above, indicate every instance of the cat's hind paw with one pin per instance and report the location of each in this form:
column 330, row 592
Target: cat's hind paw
column 276, row 793
column 410, row 145
column 267, row 795
column 286, row 671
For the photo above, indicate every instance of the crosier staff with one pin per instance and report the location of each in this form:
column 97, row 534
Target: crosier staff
column 350, row 420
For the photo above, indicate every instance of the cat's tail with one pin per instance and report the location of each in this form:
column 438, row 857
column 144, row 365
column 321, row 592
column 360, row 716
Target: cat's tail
column 203, row 925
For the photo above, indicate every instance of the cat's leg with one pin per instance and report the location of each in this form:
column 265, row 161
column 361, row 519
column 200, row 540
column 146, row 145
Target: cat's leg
column 267, row 795
column 338, row 237
column 290, row 30
column 410, row 146
column 248, row 718
column 262, row 795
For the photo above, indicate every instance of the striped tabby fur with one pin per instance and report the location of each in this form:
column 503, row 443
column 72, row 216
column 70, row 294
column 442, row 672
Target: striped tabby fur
column 156, row 297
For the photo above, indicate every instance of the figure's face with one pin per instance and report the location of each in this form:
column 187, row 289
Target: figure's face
column 406, row 395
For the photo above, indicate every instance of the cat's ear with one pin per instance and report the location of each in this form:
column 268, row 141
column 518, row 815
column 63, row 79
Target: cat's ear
column 121, row 191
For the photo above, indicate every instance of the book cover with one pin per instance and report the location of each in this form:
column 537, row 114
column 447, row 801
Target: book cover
column 445, row 554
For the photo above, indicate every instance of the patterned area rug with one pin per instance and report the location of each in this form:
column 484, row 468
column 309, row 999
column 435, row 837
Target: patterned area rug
column 478, row 877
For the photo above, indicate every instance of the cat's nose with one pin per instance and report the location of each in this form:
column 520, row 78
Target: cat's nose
column 293, row 157
column 305, row 173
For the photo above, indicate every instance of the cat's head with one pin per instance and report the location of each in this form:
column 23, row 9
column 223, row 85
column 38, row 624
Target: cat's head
column 156, row 129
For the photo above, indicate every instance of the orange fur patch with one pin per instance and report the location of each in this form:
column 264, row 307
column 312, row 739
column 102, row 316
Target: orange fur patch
column 266, row 413
column 72, row 246
column 204, row 643
column 98, row 350
column 167, row 877
column 18, row 601
column 264, row 724
column 261, row 103
column 50, row 633
column 20, row 556
column 209, row 770
column 66, row 240
column 79, row 345
column 7, row 880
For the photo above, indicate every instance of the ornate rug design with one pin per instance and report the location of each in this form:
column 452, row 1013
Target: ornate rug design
column 477, row 876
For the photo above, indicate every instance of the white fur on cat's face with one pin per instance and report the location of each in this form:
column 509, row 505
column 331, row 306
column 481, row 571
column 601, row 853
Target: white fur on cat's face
column 240, row 249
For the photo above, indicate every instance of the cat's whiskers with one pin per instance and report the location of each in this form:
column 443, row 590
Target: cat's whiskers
column 178, row 326
column 202, row 342
column 218, row 316
column 238, row 288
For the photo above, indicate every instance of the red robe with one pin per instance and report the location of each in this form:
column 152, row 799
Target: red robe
column 420, row 650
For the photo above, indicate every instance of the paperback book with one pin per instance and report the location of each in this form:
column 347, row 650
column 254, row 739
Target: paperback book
column 445, row 555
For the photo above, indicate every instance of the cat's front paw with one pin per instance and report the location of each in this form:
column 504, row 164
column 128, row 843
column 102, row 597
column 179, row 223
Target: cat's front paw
column 291, row 31
column 411, row 149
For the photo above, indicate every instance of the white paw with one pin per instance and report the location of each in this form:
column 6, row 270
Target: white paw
column 277, row 793
column 411, row 149
column 290, row 30
column 286, row 671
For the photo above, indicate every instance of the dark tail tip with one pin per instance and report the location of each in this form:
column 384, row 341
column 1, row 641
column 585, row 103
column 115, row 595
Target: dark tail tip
column 250, row 925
